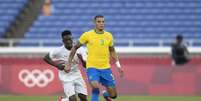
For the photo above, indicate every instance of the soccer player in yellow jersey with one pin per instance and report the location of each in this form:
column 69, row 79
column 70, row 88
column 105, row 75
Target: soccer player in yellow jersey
column 100, row 47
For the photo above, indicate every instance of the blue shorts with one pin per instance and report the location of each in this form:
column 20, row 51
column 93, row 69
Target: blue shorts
column 103, row 76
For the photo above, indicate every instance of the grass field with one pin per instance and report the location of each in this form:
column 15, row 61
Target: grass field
column 121, row 98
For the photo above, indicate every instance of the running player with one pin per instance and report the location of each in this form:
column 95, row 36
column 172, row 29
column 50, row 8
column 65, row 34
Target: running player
column 73, row 82
column 100, row 47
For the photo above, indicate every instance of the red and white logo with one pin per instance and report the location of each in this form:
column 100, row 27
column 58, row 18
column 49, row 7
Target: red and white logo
column 36, row 77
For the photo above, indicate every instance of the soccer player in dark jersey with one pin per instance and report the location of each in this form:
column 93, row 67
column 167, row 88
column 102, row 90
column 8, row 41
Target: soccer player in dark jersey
column 180, row 53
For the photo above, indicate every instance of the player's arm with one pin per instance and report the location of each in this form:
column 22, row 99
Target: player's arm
column 186, row 49
column 48, row 60
column 83, row 62
column 73, row 51
column 173, row 56
column 115, row 57
column 173, row 52
column 72, row 54
column 113, row 54
column 82, row 40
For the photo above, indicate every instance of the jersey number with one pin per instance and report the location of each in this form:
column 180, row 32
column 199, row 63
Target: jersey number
column 102, row 42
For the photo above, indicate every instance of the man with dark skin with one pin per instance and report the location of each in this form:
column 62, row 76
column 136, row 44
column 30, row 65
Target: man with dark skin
column 73, row 82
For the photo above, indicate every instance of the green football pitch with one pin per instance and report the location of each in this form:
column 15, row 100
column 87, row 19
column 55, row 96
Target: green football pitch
column 121, row 98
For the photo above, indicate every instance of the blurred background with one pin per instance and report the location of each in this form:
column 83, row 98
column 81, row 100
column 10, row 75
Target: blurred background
column 143, row 31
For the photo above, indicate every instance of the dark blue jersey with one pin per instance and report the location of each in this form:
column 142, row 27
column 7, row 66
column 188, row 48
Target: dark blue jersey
column 179, row 53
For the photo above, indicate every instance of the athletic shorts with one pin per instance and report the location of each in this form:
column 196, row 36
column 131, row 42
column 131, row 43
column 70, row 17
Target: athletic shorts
column 103, row 76
column 75, row 87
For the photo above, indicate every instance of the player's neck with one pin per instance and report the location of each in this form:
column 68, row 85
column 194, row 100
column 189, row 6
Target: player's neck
column 68, row 48
column 98, row 31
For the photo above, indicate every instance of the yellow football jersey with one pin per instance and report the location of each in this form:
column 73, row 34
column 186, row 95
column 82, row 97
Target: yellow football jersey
column 98, row 48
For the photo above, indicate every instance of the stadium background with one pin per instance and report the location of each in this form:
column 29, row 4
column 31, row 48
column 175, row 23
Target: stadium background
column 143, row 31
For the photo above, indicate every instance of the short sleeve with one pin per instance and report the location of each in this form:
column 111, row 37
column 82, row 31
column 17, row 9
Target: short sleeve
column 111, row 43
column 83, row 38
column 54, row 54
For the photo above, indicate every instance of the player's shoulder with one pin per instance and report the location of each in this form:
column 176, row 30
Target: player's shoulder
column 108, row 33
column 61, row 48
column 89, row 31
column 58, row 50
column 174, row 44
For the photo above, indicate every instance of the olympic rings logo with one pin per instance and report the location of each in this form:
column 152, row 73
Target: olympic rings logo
column 36, row 77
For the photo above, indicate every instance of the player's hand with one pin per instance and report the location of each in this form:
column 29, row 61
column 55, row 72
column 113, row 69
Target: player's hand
column 121, row 72
column 173, row 63
column 67, row 68
column 61, row 66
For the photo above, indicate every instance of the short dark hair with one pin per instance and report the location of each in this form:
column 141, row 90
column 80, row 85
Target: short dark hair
column 98, row 16
column 65, row 32
column 179, row 37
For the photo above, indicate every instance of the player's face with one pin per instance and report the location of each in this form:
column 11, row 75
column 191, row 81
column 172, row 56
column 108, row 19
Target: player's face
column 67, row 40
column 99, row 22
column 179, row 40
